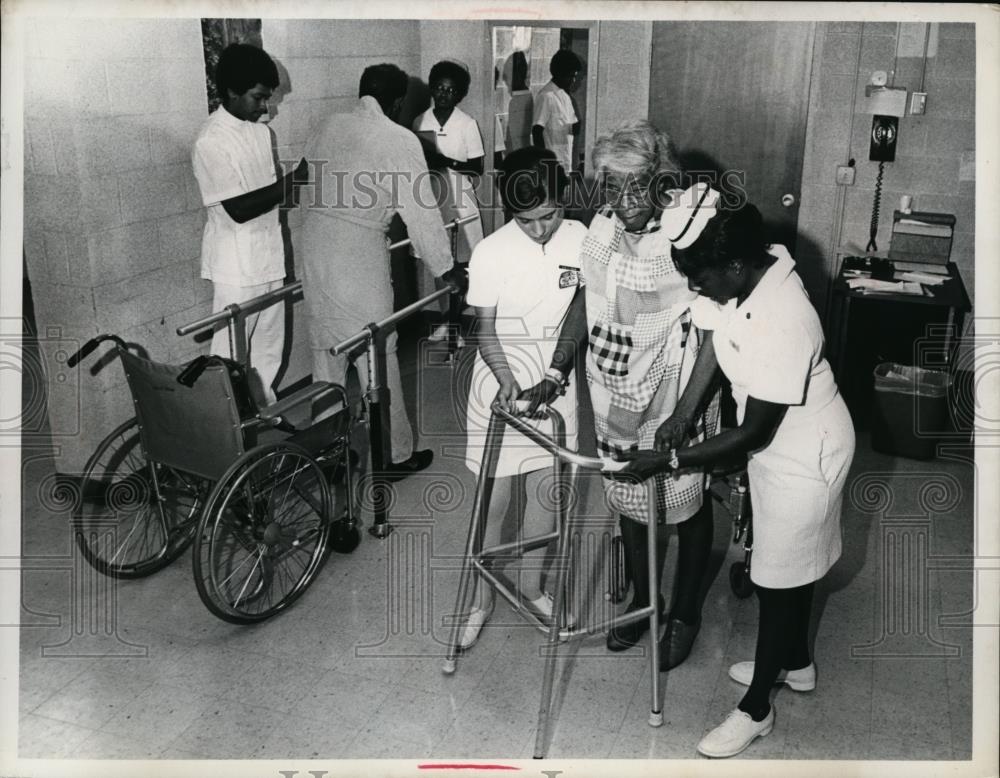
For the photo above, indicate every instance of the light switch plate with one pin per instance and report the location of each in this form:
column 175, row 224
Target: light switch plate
column 918, row 103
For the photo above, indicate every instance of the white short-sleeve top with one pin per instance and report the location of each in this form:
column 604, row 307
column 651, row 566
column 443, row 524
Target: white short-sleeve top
column 530, row 285
column 458, row 138
column 232, row 157
column 771, row 346
column 555, row 114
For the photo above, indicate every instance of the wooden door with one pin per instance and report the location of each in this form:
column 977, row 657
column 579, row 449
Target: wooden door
column 734, row 96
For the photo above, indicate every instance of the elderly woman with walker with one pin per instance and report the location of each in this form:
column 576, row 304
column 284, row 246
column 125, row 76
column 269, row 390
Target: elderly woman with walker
column 634, row 315
column 764, row 334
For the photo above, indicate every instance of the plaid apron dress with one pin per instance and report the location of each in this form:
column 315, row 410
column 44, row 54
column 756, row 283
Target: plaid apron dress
column 641, row 351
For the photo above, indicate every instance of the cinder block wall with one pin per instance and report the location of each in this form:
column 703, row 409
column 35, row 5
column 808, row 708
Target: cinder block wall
column 113, row 218
column 928, row 151
column 112, row 215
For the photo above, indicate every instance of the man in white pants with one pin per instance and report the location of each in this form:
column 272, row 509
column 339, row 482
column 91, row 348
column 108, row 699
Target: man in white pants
column 242, row 251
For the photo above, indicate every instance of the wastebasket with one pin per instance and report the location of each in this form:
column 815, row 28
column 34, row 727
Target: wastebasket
column 910, row 410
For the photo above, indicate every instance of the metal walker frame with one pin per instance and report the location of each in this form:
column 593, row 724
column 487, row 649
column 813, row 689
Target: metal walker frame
column 567, row 466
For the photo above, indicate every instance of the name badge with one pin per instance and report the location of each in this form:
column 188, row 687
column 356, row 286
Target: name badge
column 570, row 277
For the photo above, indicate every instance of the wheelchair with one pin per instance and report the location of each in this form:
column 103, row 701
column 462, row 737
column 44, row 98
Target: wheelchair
column 201, row 465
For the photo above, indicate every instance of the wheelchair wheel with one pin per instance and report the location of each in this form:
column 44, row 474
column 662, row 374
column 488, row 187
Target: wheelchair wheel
column 263, row 535
column 124, row 528
column 739, row 580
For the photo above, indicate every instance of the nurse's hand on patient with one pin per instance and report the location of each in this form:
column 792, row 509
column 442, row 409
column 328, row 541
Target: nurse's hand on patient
column 543, row 393
column 642, row 465
column 509, row 390
column 672, row 433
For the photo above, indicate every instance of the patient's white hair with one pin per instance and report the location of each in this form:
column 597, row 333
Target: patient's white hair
column 636, row 149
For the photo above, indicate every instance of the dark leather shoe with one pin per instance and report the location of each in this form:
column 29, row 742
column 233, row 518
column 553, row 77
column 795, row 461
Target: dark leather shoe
column 676, row 643
column 418, row 461
column 624, row 637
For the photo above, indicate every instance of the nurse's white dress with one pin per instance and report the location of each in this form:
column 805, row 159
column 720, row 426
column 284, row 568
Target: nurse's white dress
column 771, row 348
column 531, row 286
column 458, row 138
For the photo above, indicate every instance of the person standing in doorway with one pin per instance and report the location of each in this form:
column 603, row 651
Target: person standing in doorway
column 555, row 122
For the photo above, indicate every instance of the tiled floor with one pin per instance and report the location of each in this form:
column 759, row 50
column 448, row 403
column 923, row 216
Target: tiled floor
column 354, row 669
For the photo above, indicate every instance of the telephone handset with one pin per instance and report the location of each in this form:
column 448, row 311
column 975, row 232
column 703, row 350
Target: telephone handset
column 883, row 141
column 882, row 150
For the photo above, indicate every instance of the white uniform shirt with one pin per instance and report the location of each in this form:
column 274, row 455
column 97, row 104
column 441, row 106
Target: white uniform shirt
column 531, row 287
column 458, row 138
column 554, row 112
column 232, row 157
column 771, row 346
column 529, row 284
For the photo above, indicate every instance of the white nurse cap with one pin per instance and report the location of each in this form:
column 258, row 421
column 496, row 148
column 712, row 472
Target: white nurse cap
column 686, row 217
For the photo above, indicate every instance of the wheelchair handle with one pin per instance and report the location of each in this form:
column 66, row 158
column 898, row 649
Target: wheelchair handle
column 196, row 367
column 87, row 348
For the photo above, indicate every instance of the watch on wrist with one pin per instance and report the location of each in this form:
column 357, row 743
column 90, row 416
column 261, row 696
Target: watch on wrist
column 674, row 461
column 556, row 376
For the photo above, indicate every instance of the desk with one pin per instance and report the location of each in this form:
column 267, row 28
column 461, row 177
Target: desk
column 950, row 295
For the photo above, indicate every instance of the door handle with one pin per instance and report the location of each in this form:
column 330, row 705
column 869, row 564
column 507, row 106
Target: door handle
column 788, row 200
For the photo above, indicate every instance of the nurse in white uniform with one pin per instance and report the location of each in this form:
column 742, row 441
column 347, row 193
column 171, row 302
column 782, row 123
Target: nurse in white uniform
column 453, row 146
column 522, row 279
column 793, row 423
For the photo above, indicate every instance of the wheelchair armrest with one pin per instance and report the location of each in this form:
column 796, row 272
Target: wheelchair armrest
column 311, row 392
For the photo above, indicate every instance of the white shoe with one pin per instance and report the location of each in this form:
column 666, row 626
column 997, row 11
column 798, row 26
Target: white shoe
column 473, row 626
column 734, row 734
column 802, row 680
column 439, row 334
column 543, row 604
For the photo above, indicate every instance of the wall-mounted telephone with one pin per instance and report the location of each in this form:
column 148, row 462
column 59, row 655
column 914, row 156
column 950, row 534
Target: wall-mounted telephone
column 883, row 141
column 882, row 150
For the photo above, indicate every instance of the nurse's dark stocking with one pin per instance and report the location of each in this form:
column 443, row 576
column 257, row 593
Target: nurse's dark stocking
column 777, row 630
column 797, row 654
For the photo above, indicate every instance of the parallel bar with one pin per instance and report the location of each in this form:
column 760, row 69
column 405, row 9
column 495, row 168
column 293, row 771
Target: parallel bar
column 449, row 226
column 390, row 322
column 250, row 306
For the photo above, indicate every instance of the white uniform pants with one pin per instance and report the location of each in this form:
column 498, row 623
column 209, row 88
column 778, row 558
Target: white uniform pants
column 265, row 332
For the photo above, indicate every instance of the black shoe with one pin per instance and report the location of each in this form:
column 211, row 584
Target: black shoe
column 624, row 637
column 418, row 461
column 676, row 643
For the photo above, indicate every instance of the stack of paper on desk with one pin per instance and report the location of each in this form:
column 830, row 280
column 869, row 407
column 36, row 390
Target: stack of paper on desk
column 893, row 287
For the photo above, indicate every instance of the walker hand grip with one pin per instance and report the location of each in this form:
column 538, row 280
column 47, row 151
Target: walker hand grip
column 85, row 350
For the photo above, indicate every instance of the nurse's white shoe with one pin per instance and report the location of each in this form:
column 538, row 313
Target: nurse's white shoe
column 734, row 734
column 543, row 604
column 802, row 680
column 474, row 625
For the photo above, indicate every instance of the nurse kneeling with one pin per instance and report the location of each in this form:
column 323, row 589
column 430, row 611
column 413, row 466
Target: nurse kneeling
column 766, row 337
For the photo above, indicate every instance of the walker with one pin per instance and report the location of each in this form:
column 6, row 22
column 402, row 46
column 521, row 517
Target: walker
column 567, row 466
